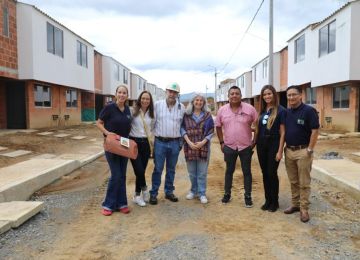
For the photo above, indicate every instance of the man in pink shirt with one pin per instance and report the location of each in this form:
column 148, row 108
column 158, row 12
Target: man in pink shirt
column 233, row 128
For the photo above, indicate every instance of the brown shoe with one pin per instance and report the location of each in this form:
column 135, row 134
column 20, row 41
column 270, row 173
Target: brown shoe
column 304, row 216
column 291, row 210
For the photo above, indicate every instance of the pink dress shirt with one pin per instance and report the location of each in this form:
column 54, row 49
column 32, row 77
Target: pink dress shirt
column 236, row 126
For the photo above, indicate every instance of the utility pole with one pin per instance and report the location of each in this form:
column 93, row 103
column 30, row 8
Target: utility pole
column 271, row 42
column 215, row 74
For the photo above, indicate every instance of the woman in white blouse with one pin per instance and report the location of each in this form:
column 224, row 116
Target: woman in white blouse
column 142, row 126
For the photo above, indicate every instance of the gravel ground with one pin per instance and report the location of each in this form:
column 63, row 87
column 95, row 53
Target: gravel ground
column 70, row 226
column 181, row 248
column 38, row 234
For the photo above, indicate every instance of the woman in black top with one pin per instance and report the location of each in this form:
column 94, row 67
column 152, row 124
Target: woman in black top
column 115, row 118
column 270, row 135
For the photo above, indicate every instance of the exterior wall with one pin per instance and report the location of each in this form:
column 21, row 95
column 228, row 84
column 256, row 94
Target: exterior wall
column 262, row 81
column 3, row 122
column 246, row 89
column 8, row 45
column 222, row 92
column 109, row 80
column 40, row 117
column 300, row 73
column 355, row 42
column 159, row 94
column 35, row 62
column 329, row 68
column 283, row 69
column 138, row 84
column 152, row 89
column 98, row 82
column 341, row 119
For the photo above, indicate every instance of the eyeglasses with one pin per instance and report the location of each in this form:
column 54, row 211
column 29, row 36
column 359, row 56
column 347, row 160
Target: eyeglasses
column 265, row 119
column 292, row 95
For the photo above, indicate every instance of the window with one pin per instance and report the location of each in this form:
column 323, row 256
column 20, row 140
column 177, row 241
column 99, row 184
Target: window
column 108, row 99
column 139, row 84
column 255, row 74
column 42, row 96
column 71, row 98
column 6, row 22
column 242, row 81
column 117, row 72
column 55, row 41
column 125, row 76
column 327, row 39
column 300, row 49
column 311, row 96
column 265, row 69
column 81, row 53
column 341, row 97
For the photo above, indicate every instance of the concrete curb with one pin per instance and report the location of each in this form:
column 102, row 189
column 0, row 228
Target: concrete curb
column 25, row 188
column 336, row 181
column 91, row 158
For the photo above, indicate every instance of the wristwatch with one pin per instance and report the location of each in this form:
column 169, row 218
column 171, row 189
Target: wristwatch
column 310, row 151
column 221, row 142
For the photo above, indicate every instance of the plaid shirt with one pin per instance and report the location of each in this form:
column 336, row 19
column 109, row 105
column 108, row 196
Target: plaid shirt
column 198, row 131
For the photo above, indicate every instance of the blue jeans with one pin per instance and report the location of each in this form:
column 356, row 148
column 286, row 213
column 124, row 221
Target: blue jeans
column 169, row 152
column 116, row 192
column 198, row 170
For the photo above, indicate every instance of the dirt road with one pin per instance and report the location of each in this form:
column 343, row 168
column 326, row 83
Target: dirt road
column 71, row 226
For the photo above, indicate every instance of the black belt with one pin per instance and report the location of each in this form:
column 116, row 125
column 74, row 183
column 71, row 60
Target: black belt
column 297, row 147
column 139, row 139
column 167, row 139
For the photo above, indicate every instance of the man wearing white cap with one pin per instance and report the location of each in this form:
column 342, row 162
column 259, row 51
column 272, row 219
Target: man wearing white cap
column 169, row 114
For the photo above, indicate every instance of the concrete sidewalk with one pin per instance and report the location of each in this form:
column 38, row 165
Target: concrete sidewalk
column 341, row 173
column 19, row 181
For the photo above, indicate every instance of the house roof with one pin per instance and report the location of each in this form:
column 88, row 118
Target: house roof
column 48, row 16
column 115, row 61
column 334, row 13
column 316, row 24
column 278, row 52
column 302, row 30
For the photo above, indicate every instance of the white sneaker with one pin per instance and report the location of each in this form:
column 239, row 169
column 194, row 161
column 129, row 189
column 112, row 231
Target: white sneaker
column 139, row 200
column 190, row 196
column 203, row 199
column 146, row 195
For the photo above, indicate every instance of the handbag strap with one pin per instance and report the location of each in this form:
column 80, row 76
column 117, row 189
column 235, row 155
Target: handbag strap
column 146, row 130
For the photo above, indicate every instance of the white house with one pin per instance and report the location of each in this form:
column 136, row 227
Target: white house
column 325, row 59
column 244, row 82
column 57, row 67
column 114, row 74
column 137, row 85
column 260, row 74
column 159, row 94
column 50, row 52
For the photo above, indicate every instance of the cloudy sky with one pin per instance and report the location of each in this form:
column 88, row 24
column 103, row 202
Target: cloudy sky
column 184, row 40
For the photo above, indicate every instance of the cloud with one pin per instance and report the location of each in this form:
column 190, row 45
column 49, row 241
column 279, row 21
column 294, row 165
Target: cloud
column 165, row 40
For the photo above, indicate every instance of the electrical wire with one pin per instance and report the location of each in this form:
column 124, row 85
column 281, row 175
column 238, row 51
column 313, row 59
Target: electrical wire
column 242, row 38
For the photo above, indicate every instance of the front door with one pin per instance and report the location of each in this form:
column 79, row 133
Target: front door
column 99, row 104
column 15, row 105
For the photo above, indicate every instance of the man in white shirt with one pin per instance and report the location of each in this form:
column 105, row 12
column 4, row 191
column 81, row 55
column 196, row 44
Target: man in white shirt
column 169, row 114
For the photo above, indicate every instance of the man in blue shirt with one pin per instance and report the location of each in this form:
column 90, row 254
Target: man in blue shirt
column 301, row 133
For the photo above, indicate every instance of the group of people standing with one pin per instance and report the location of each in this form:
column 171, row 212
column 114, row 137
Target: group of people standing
column 239, row 130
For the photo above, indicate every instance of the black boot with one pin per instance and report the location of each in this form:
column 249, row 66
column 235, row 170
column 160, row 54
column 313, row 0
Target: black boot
column 274, row 206
column 266, row 205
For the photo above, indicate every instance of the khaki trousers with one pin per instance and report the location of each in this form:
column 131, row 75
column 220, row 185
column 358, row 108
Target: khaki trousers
column 298, row 166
